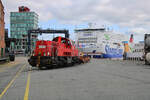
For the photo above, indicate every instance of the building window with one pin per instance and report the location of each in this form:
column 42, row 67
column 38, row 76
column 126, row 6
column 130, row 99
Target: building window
column 0, row 14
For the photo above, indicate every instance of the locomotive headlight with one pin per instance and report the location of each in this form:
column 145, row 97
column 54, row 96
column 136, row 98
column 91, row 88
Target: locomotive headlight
column 48, row 53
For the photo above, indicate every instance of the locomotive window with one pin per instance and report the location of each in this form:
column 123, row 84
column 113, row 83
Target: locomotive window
column 69, row 43
column 56, row 39
column 63, row 41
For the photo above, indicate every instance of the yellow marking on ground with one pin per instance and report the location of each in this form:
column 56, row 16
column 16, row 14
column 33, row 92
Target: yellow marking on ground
column 26, row 95
column 8, row 66
column 14, row 78
column 7, row 63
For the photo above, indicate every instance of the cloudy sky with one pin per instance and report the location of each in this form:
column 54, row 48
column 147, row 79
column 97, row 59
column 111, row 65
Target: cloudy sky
column 125, row 16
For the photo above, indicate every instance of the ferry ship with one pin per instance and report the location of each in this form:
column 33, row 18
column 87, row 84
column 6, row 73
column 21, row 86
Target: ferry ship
column 99, row 43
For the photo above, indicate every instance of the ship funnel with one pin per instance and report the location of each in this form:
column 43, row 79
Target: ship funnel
column 131, row 38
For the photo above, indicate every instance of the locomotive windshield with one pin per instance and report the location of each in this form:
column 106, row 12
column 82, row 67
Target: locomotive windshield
column 55, row 39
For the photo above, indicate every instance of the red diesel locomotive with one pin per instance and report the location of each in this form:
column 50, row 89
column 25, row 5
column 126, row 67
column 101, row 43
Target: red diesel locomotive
column 60, row 51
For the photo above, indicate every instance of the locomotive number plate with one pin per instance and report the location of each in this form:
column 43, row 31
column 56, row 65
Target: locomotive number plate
column 42, row 46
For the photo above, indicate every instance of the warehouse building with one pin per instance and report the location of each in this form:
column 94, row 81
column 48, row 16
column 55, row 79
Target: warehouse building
column 20, row 23
column 2, row 31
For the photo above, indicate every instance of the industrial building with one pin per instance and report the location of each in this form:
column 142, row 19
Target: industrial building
column 99, row 42
column 8, row 41
column 20, row 23
column 2, row 31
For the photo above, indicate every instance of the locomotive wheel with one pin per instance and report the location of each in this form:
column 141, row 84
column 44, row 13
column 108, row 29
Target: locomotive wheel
column 40, row 68
column 63, row 62
column 50, row 67
column 146, row 62
column 60, row 64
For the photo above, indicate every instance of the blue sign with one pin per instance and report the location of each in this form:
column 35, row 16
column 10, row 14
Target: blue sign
column 113, row 52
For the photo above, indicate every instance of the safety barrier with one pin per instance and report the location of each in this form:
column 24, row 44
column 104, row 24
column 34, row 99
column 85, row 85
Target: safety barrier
column 3, row 60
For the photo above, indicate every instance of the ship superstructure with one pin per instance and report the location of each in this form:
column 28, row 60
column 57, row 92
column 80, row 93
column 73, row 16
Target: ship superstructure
column 98, row 42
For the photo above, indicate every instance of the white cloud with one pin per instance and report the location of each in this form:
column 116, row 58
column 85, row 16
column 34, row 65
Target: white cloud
column 134, row 14
column 122, row 12
column 139, row 31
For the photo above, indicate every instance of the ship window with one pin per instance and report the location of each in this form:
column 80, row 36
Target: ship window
column 115, row 43
column 103, row 41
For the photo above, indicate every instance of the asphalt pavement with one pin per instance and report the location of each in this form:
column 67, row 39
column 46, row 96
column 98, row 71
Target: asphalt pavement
column 97, row 80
